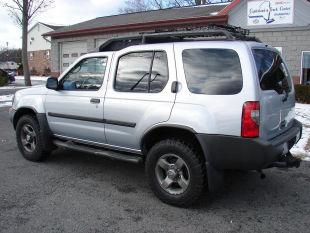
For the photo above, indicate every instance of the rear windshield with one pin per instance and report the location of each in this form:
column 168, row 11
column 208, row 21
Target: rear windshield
column 212, row 71
column 271, row 70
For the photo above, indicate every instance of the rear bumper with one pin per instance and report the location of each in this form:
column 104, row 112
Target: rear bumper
column 230, row 152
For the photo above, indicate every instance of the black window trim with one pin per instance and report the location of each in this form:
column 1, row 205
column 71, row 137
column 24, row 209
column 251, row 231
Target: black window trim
column 85, row 90
column 213, row 48
column 150, row 70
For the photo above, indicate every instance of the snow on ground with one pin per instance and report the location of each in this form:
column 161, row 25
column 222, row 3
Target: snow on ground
column 302, row 148
column 6, row 100
column 11, row 87
column 34, row 78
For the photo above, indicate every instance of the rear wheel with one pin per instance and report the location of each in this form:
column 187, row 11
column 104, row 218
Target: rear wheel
column 175, row 172
column 29, row 140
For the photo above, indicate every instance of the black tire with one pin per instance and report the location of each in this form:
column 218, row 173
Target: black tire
column 38, row 152
column 194, row 164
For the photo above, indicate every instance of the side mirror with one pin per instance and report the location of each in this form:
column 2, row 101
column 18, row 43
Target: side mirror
column 52, row 83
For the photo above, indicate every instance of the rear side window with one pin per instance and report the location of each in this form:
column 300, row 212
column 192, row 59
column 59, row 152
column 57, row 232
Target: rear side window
column 212, row 71
column 271, row 71
column 145, row 72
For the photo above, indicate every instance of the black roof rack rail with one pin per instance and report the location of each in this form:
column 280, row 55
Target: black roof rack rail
column 210, row 32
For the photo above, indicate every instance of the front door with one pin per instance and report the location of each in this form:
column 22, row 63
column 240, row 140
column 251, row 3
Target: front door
column 75, row 111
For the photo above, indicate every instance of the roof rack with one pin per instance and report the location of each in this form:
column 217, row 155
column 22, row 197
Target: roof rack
column 210, row 32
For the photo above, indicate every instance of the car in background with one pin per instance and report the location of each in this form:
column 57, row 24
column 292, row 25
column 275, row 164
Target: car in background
column 11, row 75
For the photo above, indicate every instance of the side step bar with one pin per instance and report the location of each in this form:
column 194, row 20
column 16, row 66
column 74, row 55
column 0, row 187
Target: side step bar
column 106, row 153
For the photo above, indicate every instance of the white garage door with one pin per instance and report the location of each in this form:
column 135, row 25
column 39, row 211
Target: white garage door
column 70, row 51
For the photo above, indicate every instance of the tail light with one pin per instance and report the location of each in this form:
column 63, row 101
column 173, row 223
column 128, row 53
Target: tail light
column 250, row 119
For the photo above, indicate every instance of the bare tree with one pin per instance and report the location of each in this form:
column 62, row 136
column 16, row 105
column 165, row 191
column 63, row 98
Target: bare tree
column 135, row 6
column 22, row 12
column 145, row 5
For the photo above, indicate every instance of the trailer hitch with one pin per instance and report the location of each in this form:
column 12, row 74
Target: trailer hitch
column 287, row 161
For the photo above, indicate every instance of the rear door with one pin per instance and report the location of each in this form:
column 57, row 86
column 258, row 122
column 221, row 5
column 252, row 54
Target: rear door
column 139, row 94
column 277, row 92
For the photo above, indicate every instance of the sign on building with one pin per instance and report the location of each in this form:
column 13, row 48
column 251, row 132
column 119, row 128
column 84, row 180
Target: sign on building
column 270, row 12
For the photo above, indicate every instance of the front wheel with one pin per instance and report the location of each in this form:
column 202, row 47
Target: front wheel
column 175, row 172
column 28, row 139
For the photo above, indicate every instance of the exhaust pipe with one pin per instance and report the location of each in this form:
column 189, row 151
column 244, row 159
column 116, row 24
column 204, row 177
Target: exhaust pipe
column 287, row 161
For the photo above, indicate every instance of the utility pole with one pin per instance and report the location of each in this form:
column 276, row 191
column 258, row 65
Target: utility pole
column 7, row 55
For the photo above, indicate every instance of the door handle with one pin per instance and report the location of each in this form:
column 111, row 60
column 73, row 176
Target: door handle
column 175, row 87
column 94, row 101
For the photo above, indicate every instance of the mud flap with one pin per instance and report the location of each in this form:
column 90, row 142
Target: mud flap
column 45, row 132
column 215, row 178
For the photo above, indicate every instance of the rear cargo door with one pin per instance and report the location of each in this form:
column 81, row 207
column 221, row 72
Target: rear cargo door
column 277, row 93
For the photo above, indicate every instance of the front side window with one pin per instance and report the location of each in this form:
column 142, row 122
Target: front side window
column 86, row 75
column 47, row 54
column 145, row 72
column 271, row 70
column 212, row 71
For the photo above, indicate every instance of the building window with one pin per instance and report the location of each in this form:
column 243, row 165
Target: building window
column 74, row 55
column 47, row 54
column 82, row 54
column 65, row 64
column 65, row 55
column 305, row 67
column 31, row 56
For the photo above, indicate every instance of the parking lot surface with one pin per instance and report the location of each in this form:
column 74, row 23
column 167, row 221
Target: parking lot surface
column 75, row 192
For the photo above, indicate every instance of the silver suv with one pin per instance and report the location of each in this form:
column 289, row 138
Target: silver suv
column 188, row 105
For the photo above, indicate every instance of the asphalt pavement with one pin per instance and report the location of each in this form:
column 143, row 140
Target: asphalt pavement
column 76, row 192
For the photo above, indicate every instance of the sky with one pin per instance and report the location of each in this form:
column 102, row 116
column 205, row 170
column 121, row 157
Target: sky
column 63, row 12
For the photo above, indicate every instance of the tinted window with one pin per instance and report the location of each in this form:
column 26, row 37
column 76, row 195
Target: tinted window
column 159, row 77
column 272, row 72
column 87, row 75
column 142, row 72
column 212, row 71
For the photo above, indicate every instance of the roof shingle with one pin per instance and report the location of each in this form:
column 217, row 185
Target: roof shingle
column 144, row 17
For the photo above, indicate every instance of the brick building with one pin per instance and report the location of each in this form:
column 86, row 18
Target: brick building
column 282, row 24
column 39, row 49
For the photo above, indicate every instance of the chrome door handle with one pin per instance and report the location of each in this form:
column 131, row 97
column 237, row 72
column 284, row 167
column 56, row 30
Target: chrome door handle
column 94, row 101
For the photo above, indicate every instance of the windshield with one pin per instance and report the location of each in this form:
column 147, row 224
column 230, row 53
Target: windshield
column 271, row 70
